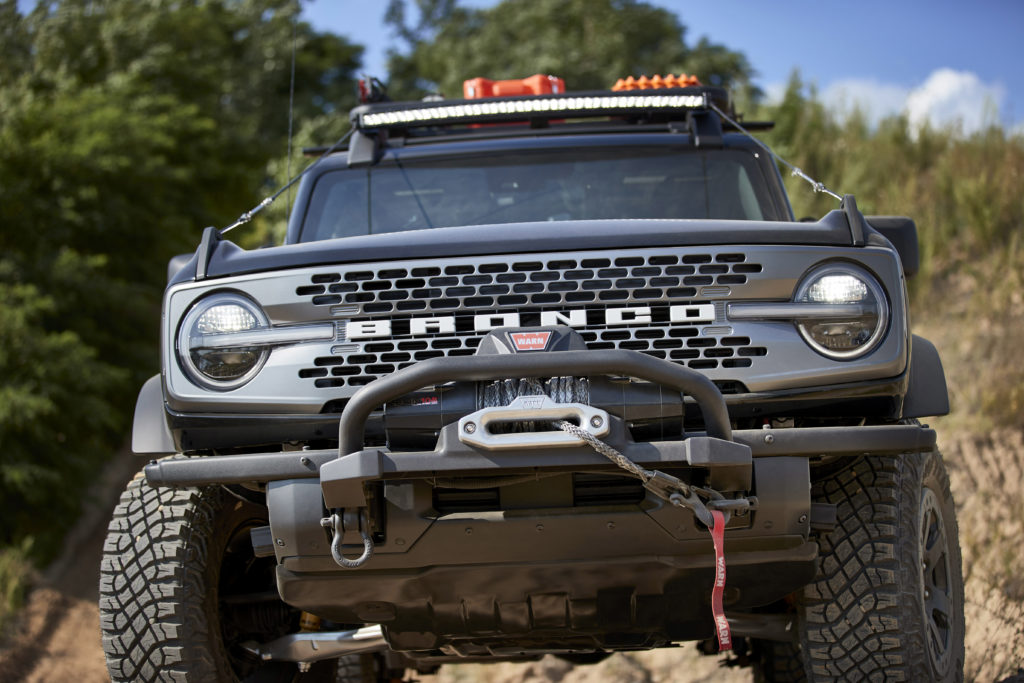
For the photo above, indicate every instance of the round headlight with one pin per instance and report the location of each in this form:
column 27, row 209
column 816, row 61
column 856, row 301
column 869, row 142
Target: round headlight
column 853, row 316
column 206, row 348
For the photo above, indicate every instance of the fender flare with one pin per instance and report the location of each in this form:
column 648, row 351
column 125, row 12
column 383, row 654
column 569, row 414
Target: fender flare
column 927, row 395
column 150, row 434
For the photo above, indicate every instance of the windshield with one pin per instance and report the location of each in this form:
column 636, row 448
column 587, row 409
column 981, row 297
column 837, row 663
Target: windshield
column 547, row 185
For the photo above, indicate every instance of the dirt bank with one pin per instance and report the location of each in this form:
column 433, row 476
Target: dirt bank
column 58, row 634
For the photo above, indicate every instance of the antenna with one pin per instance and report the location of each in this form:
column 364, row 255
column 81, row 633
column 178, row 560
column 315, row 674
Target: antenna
column 291, row 106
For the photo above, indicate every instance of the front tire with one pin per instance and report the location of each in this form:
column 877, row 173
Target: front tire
column 180, row 590
column 776, row 662
column 887, row 603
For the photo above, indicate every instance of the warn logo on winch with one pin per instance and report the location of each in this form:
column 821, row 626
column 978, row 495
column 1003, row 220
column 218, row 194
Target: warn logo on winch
column 530, row 341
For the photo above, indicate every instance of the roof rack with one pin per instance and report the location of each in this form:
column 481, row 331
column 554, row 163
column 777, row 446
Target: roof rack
column 539, row 110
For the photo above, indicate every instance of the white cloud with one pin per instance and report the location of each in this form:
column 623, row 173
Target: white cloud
column 957, row 98
column 946, row 98
column 773, row 92
column 874, row 99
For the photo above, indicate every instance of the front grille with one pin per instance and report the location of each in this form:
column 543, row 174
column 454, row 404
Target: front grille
column 739, row 355
column 529, row 286
column 536, row 282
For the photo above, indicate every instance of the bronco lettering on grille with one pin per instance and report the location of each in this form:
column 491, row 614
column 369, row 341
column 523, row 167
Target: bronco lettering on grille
column 632, row 315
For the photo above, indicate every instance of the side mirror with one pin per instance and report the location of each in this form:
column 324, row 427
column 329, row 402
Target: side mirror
column 902, row 233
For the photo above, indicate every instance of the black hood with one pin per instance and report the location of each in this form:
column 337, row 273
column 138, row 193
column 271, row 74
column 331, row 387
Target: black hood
column 227, row 259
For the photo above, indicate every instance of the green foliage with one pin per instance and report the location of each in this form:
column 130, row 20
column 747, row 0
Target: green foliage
column 589, row 43
column 125, row 128
column 55, row 414
column 15, row 576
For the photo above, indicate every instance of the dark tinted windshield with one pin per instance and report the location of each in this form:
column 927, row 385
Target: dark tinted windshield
column 548, row 185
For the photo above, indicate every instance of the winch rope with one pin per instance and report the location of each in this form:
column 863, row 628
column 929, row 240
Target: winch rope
column 679, row 494
column 607, row 451
column 559, row 389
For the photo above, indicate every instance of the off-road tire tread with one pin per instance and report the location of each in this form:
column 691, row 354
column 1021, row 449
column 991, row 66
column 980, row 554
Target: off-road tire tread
column 862, row 616
column 152, row 585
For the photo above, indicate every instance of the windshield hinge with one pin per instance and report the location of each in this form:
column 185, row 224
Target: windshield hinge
column 366, row 149
column 705, row 129
column 856, row 220
column 207, row 245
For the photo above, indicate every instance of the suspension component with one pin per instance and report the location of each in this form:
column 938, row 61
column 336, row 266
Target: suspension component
column 304, row 647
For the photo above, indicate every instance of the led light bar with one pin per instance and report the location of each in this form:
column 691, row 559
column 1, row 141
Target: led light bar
column 525, row 108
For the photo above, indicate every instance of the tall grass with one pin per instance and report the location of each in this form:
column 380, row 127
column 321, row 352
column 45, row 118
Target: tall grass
column 15, row 576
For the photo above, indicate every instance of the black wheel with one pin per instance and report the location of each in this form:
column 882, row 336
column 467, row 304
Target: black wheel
column 181, row 590
column 887, row 603
column 775, row 662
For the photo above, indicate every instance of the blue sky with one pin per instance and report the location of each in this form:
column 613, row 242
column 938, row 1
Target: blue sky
column 939, row 60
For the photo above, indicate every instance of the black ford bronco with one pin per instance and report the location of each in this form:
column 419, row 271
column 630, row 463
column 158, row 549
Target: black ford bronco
column 540, row 374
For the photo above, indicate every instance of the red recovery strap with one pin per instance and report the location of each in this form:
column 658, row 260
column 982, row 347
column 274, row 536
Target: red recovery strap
column 721, row 623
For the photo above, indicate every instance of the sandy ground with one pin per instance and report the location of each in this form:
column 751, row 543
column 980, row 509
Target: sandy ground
column 58, row 636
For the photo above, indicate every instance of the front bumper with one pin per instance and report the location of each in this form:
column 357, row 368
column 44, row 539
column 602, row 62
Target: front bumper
column 763, row 443
column 531, row 565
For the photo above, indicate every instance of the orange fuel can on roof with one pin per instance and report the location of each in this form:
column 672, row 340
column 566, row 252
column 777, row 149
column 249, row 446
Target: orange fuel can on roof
column 538, row 84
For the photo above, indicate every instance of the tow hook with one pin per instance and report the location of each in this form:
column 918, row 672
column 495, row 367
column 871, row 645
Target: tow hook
column 354, row 520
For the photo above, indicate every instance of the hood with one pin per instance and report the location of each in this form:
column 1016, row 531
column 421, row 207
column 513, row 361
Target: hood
column 227, row 259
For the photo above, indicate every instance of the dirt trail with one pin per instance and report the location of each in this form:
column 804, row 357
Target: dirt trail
column 58, row 637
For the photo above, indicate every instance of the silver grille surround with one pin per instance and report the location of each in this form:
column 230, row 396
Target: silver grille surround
column 761, row 355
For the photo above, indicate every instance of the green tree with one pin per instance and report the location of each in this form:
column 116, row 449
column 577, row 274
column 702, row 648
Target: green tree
column 589, row 43
column 125, row 128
